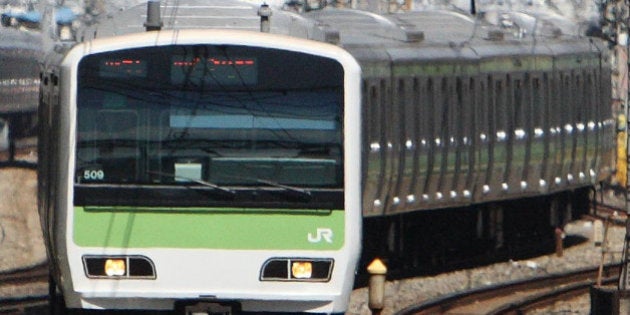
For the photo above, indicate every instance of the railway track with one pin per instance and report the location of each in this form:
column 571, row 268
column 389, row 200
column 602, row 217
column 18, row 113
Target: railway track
column 30, row 304
column 35, row 273
column 516, row 297
column 24, row 304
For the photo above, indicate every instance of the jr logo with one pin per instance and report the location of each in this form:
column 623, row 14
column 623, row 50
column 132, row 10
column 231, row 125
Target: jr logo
column 322, row 233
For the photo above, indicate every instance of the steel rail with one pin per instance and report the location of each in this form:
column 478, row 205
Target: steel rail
column 18, row 305
column 477, row 297
column 545, row 299
column 21, row 276
column 38, row 272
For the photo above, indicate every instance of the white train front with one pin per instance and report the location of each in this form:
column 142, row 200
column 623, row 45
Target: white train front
column 186, row 167
column 228, row 153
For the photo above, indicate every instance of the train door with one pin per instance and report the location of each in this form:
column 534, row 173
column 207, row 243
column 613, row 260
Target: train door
column 407, row 142
column 374, row 125
column 566, row 109
column 440, row 177
column 449, row 135
column 424, row 129
column 537, row 113
column 499, row 149
column 433, row 142
column 483, row 147
column 547, row 137
column 590, row 112
column 399, row 144
column 519, row 123
column 578, row 164
column 555, row 131
column 462, row 133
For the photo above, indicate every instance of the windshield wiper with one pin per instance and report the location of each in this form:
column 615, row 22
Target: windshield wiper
column 301, row 193
column 198, row 181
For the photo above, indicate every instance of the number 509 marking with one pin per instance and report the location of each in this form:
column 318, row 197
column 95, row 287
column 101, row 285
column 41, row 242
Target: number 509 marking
column 93, row 175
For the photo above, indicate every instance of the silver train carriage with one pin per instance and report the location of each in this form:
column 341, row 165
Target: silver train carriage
column 460, row 110
column 19, row 78
column 20, row 52
column 200, row 168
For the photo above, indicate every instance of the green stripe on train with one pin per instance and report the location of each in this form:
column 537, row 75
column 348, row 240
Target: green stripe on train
column 209, row 228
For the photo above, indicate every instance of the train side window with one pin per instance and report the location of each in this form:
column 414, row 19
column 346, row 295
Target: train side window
column 460, row 109
column 591, row 99
column 470, row 102
column 490, row 100
column 567, row 99
column 416, row 103
column 404, row 121
column 464, row 123
column 517, row 103
column 499, row 107
column 537, row 102
column 385, row 133
column 528, row 111
column 481, row 109
column 427, row 109
column 373, row 115
column 545, row 94
column 443, row 114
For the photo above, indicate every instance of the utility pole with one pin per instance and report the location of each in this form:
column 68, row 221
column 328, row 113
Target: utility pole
column 614, row 22
column 615, row 29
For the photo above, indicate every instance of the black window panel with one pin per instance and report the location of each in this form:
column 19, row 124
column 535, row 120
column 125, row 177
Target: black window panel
column 140, row 267
column 276, row 269
column 321, row 269
column 228, row 115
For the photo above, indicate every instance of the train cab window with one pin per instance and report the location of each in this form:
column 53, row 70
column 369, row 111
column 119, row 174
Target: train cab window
column 179, row 115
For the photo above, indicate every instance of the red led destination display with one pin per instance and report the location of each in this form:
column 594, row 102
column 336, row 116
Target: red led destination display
column 123, row 67
column 214, row 71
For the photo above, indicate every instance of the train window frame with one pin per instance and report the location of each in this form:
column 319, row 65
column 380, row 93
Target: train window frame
column 285, row 107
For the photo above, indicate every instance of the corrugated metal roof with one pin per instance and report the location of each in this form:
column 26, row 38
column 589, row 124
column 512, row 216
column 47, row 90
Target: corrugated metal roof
column 435, row 34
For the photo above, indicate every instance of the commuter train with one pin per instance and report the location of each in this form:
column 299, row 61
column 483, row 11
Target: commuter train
column 19, row 82
column 222, row 158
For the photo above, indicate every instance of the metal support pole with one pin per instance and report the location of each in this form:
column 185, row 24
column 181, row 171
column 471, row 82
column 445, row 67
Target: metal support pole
column 622, row 60
column 604, row 246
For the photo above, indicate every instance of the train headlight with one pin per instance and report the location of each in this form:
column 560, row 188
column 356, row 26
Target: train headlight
column 297, row 269
column 115, row 267
column 301, row 269
column 118, row 267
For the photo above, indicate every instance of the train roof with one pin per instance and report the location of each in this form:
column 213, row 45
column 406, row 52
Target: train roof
column 434, row 34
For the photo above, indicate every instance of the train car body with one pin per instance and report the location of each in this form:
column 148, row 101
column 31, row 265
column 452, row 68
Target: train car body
column 457, row 112
column 20, row 53
column 201, row 168
column 142, row 146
